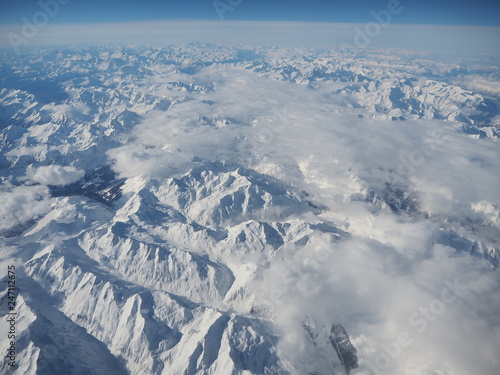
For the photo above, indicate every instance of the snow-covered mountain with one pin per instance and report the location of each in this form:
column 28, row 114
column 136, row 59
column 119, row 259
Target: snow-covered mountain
column 200, row 209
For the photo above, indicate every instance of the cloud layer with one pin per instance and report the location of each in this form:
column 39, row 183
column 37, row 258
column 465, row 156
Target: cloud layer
column 55, row 175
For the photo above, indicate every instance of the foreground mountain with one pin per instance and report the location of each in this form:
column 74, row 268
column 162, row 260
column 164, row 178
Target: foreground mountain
column 218, row 210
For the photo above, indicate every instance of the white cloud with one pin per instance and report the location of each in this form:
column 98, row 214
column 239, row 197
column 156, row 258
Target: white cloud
column 482, row 84
column 382, row 289
column 21, row 204
column 55, row 175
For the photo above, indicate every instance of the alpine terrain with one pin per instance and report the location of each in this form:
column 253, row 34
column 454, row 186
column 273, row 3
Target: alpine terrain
column 201, row 209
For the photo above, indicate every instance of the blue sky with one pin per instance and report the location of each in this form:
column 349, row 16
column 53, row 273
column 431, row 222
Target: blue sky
column 446, row 12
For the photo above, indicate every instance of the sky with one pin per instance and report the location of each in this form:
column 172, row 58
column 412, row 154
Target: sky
column 410, row 24
column 447, row 12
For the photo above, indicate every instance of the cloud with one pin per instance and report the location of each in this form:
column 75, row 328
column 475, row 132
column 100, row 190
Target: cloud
column 21, row 204
column 401, row 285
column 55, row 175
column 482, row 84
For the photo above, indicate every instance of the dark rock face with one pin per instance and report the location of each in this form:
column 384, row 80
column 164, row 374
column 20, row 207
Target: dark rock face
column 346, row 351
column 100, row 184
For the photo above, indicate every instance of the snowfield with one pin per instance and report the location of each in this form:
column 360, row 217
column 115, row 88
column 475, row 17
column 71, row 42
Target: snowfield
column 200, row 209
